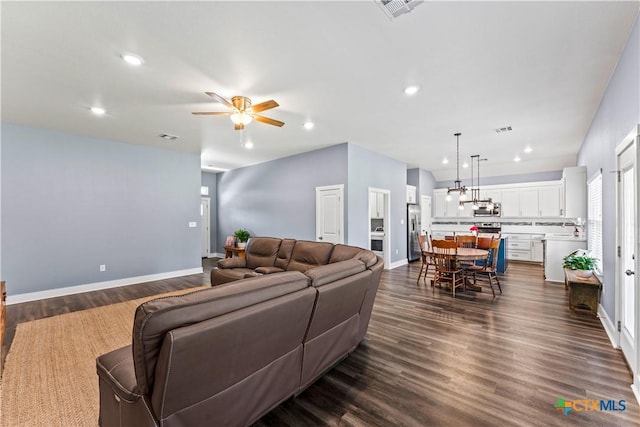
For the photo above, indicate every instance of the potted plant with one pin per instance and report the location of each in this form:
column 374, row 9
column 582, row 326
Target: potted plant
column 583, row 264
column 242, row 235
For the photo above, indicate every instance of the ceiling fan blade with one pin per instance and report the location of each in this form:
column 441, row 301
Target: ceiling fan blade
column 268, row 121
column 212, row 113
column 238, row 126
column 220, row 99
column 267, row 105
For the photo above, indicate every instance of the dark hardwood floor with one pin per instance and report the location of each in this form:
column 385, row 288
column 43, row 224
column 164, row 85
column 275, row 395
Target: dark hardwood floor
column 429, row 359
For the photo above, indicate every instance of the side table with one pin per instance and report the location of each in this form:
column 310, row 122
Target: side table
column 230, row 250
column 583, row 291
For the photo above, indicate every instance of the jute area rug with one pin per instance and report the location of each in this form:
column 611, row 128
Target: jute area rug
column 50, row 375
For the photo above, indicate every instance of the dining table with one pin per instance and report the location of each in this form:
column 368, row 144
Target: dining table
column 465, row 254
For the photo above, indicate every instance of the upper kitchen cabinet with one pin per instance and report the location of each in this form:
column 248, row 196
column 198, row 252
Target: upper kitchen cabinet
column 575, row 191
column 411, row 194
column 550, row 201
column 376, row 204
column 443, row 208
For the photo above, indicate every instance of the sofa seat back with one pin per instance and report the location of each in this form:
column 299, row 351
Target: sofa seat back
column 155, row 318
column 262, row 252
column 308, row 254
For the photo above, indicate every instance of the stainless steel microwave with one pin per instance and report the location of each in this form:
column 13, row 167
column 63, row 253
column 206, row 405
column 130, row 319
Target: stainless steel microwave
column 484, row 211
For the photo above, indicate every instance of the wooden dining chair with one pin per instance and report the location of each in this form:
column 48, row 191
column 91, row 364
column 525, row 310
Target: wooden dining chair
column 425, row 247
column 466, row 241
column 447, row 270
column 489, row 267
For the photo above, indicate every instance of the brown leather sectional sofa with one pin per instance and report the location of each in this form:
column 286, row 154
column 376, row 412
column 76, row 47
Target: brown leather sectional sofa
column 229, row 354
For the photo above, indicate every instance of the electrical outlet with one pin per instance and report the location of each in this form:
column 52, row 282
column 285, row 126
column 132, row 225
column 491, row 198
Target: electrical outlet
column 103, row 267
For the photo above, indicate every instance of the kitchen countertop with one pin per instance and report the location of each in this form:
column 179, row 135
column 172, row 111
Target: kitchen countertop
column 564, row 237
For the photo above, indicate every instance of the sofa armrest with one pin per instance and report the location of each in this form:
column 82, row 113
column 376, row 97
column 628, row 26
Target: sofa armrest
column 324, row 274
column 235, row 262
column 269, row 270
column 116, row 369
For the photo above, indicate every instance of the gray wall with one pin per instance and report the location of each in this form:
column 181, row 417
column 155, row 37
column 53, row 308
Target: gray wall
column 209, row 180
column 370, row 169
column 617, row 115
column 71, row 203
column 423, row 180
column 278, row 198
column 508, row 179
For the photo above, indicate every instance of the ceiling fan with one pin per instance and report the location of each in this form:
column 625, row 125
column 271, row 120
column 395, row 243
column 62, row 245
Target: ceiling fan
column 242, row 112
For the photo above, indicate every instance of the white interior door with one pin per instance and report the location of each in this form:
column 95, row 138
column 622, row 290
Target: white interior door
column 425, row 213
column 330, row 214
column 627, row 241
column 205, row 221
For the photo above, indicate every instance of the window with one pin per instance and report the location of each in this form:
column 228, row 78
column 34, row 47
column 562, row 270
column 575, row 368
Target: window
column 594, row 218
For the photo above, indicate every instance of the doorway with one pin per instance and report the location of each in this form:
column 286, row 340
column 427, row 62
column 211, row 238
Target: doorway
column 379, row 224
column 205, row 223
column 330, row 213
column 628, row 298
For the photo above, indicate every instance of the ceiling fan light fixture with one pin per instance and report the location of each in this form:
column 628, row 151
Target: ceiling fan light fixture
column 241, row 118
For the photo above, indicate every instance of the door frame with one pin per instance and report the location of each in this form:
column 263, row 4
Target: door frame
column 208, row 235
column 387, row 222
column 633, row 138
column 340, row 188
column 422, row 209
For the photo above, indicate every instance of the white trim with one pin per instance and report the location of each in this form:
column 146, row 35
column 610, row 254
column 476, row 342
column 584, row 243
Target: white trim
column 608, row 326
column 216, row 255
column 397, row 264
column 69, row 290
column 635, row 390
column 340, row 188
column 386, row 246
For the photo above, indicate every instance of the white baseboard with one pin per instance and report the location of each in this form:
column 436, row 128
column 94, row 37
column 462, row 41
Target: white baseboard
column 397, row 264
column 216, row 255
column 69, row 290
column 608, row 325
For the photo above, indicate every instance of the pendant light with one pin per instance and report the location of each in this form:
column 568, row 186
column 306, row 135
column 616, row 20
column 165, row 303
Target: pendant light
column 457, row 184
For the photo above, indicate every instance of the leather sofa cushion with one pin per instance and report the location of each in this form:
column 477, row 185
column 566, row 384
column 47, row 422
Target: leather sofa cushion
column 269, row 270
column 308, row 254
column 324, row 274
column 220, row 276
column 262, row 251
column 344, row 252
column 235, row 262
column 284, row 254
column 153, row 319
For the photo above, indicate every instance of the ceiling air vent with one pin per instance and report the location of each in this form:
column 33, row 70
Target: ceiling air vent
column 504, row 129
column 395, row 8
column 168, row 136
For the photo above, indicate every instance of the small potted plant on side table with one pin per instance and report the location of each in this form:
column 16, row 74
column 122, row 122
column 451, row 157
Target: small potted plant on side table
column 242, row 235
column 583, row 264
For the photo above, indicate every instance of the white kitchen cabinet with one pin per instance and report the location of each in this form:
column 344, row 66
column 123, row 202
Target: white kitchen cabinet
column 494, row 195
column 411, row 194
column 439, row 204
column 575, row 192
column 537, row 247
column 519, row 247
column 510, row 203
column 451, row 206
column 376, row 205
column 550, row 201
column 529, row 202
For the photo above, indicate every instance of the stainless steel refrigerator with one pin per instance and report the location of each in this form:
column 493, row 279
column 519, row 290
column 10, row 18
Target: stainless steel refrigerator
column 413, row 230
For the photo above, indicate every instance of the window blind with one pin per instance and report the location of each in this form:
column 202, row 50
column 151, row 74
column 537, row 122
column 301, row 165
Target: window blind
column 594, row 218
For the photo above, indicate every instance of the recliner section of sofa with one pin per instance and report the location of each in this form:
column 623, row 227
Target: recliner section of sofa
column 229, row 354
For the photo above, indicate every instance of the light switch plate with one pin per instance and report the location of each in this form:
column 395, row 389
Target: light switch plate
column 193, row 224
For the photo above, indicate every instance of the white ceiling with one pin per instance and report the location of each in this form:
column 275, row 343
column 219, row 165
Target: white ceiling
column 540, row 67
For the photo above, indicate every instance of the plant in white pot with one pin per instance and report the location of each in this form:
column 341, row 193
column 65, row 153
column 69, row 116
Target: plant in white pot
column 242, row 235
column 583, row 264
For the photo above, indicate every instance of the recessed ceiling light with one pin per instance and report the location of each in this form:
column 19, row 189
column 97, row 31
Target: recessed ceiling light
column 248, row 145
column 98, row 111
column 516, row 159
column 411, row 90
column 132, row 59
column 465, row 165
column 445, row 161
column 308, row 125
column 528, row 149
